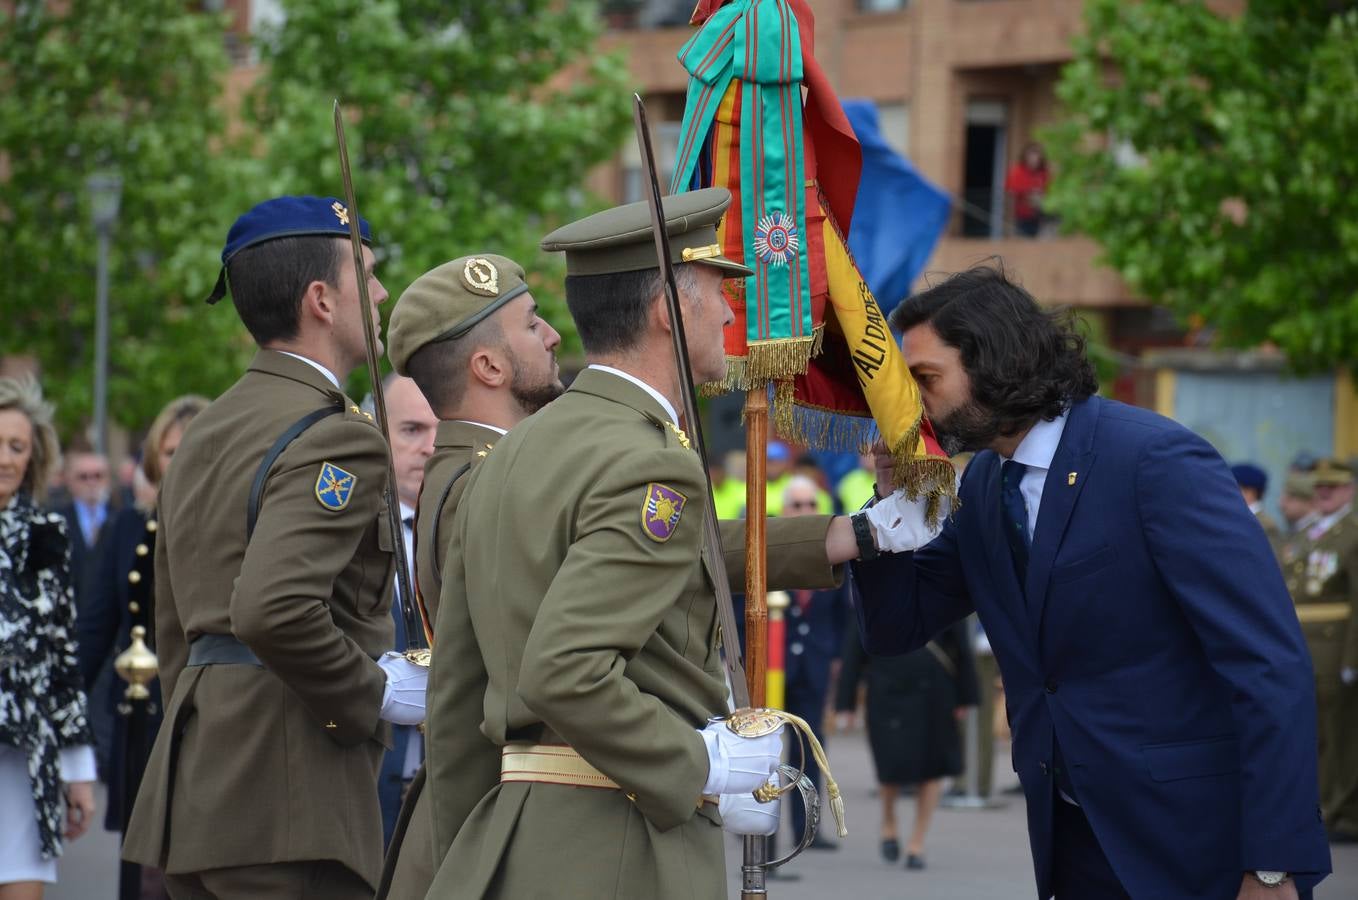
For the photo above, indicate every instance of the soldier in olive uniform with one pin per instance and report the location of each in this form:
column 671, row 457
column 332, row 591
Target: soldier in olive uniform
column 273, row 568
column 577, row 550
column 469, row 334
column 1323, row 577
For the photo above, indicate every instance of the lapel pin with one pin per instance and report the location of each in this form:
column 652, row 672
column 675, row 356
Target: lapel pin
column 1070, row 479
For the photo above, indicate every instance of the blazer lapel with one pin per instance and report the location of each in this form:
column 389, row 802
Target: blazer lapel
column 999, row 557
column 1065, row 480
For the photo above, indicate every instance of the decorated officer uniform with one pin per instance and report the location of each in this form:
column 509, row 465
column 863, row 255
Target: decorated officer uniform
column 444, row 304
column 264, row 774
column 1323, row 579
column 577, row 552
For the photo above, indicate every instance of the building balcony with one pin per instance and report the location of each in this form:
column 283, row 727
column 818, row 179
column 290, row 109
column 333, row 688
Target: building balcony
column 1058, row 271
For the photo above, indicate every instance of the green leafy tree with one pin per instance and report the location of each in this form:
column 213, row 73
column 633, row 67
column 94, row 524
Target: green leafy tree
column 1213, row 159
column 471, row 125
column 131, row 87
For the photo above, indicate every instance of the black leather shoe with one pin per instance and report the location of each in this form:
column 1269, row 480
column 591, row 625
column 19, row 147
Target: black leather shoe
column 914, row 862
column 891, row 850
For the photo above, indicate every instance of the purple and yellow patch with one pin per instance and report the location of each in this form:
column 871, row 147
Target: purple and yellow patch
column 660, row 513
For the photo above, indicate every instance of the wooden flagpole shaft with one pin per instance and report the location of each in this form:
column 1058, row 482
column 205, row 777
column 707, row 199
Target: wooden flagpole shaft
column 756, row 580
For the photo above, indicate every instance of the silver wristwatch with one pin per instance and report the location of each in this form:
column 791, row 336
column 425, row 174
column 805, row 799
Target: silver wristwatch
column 1269, row 878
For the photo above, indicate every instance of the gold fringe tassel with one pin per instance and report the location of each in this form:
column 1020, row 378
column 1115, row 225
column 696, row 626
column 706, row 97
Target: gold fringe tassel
column 767, row 361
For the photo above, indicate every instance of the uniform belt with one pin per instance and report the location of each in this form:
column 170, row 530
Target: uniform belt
column 1309, row 613
column 550, row 764
column 557, row 764
column 221, row 650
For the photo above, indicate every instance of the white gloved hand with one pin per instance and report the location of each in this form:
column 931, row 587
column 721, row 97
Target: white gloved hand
column 738, row 764
column 900, row 525
column 403, row 697
column 742, row 814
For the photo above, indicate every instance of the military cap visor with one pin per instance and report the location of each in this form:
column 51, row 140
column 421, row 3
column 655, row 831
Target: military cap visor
column 1331, row 472
column 283, row 217
column 621, row 239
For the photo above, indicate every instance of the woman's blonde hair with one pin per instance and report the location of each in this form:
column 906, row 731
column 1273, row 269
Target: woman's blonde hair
column 25, row 395
column 177, row 412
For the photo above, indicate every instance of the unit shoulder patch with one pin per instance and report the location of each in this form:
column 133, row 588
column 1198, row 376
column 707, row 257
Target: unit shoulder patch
column 660, row 511
column 334, row 486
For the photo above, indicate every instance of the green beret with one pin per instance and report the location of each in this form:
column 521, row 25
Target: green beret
column 450, row 300
column 1299, row 484
column 1331, row 472
column 621, row 239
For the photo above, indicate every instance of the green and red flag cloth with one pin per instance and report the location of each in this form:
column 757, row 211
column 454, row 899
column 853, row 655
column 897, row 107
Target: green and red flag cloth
column 762, row 120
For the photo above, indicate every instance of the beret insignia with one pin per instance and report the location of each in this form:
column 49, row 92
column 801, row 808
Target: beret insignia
column 660, row 513
column 334, row 486
column 480, row 275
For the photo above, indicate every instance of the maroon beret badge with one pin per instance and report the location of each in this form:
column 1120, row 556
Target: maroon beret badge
column 660, row 513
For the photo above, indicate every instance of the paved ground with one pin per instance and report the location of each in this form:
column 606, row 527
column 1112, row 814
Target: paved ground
column 971, row 854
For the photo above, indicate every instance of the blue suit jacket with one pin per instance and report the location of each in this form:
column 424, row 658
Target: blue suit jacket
column 1155, row 640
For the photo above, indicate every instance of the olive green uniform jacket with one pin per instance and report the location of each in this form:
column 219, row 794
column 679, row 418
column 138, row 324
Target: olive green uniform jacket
column 458, row 446
column 593, row 623
column 278, row 763
column 1323, row 578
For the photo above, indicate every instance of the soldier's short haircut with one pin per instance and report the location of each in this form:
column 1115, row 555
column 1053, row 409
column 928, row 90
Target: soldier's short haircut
column 610, row 310
column 268, row 280
column 439, row 368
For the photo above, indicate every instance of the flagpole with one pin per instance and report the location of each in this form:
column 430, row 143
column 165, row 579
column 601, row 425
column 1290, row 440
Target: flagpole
column 753, row 884
column 756, row 575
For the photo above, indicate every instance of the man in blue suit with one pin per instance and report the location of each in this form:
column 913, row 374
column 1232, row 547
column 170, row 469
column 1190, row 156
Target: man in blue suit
column 1159, row 691
column 412, row 442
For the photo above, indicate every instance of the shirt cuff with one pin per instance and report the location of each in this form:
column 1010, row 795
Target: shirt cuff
column 77, row 764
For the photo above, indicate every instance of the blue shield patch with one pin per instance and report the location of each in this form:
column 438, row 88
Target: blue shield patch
column 334, row 486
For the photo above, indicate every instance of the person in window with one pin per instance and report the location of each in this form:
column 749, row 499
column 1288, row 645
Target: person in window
column 1026, row 184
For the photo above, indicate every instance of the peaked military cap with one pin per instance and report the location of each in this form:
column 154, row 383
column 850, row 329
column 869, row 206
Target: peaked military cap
column 450, row 300
column 1299, row 484
column 1331, row 472
column 620, row 239
column 283, row 217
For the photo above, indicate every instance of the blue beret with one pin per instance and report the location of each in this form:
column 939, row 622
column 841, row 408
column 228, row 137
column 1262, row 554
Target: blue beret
column 285, row 217
column 1248, row 475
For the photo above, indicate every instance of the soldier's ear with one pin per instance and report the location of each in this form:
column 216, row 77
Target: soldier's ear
column 318, row 303
column 490, row 367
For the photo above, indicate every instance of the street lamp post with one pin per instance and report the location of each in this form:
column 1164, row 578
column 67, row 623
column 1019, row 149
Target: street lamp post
column 105, row 190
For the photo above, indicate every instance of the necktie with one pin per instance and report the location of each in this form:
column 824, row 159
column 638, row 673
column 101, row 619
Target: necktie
column 1015, row 515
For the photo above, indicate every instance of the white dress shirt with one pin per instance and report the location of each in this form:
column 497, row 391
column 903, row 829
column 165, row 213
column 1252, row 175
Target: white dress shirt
column 1036, row 451
column 659, row 397
column 329, row 375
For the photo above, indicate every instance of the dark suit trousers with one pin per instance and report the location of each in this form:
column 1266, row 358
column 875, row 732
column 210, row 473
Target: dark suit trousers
column 803, row 700
column 323, row 879
column 1080, row 870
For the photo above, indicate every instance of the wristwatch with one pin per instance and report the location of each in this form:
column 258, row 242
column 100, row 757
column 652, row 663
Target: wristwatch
column 862, row 532
column 1269, row 878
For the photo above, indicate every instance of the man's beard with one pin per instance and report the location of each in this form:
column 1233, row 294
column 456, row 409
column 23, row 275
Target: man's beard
column 533, row 397
column 968, row 428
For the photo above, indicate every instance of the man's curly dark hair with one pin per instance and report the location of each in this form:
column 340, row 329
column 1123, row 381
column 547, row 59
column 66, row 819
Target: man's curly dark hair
column 1025, row 362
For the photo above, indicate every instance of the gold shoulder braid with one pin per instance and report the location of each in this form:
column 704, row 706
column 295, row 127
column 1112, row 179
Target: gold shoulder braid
column 752, row 723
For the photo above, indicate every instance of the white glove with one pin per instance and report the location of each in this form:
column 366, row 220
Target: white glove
column 737, row 764
column 899, row 525
column 403, row 697
column 742, row 814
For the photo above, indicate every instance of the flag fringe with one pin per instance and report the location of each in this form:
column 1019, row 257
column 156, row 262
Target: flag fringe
column 767, row 361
